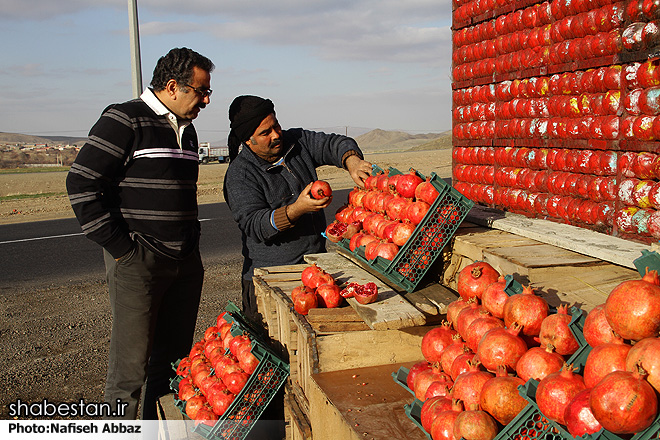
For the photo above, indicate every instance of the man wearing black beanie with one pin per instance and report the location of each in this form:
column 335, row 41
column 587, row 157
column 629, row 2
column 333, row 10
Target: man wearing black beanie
column 267, row 186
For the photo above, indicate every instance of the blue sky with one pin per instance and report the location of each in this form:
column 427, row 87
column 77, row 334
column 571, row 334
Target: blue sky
column 326, row 64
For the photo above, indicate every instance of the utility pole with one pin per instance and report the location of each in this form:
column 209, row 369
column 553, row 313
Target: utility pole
column 134, row 31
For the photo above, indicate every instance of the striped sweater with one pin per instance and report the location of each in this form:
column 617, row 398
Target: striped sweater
column 132, row 180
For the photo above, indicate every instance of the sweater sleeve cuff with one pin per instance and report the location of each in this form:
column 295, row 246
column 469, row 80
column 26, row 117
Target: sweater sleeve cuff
column 348, row 154
column 281, row 219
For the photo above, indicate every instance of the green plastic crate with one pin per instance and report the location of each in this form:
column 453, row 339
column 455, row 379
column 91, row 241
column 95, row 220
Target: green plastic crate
column 262, row 386
column 427, row 240
column 400, row 376
column 650, row 259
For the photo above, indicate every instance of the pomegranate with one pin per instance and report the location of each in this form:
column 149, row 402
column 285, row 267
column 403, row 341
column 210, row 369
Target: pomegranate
column 320, row 189
column 501, row 346
column 414, row 371
column 468, row 385
column 381, row 181
column 183, row 368
column 624, row 402
column 396, row 207
column 555, row 331
column 474, row 278
column 406, row 184
column 309, row 274
column 328, row 296
column 206, row 416
column 633, row 308
column 305, row 301
column 246, row 360
column 647, row 354
column 220, row 398
column 556, row 390
column 526, row 309
column 431, row 408
column 467, row 315
column 438, row 388
column 578, row 416
column 335, row 231
column 500, row 397
column 538, row 362
column 454, row 308
column 426, row 192
column 366, row 294
column 435, row 341
column 321, row 277
column 402, row 233
column 494, row 296
column 596, row 329
column 479, row 327
column 451, row 352
column 370, row 249
column 461, row 363
column 386, row 250
column 442, row 427
column 416, row 212
column 235, row 381
column 424, row 379
column 296, row 290
column 604, row 359
column 353, row 243
column 474, row 424
column 194, row 404
column 186, row 391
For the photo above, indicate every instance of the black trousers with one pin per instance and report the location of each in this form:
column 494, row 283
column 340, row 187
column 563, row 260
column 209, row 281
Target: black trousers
column 154, row 303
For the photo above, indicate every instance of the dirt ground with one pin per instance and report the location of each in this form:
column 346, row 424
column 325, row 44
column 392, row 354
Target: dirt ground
column 55, row 338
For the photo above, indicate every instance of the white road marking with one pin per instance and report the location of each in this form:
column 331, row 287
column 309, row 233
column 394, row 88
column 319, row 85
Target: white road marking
column 63, row 235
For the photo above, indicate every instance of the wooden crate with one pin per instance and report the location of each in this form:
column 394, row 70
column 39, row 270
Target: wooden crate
column 555, row 273
column 388, row 331
column 361, row 403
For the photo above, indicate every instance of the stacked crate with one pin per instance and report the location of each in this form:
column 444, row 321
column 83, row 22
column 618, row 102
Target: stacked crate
column 556, row 111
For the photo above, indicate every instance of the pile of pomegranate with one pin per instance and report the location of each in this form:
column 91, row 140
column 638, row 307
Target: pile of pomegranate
column 319, row 289
column 214, row 372
column 382, row 216
column 492, row 342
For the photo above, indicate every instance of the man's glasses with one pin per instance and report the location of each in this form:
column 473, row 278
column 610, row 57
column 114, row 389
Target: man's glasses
column 203, row 93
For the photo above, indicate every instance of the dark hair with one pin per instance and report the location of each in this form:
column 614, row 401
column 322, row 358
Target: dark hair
column 178, row 65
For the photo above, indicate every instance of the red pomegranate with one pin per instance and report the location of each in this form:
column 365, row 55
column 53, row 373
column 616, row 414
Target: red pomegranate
column 596, row 329
column 461, row 364
column 538, row 362
column 431, row 408
column 468, row 385
column 442, row 427
column 474, row 424
column 494, row 296
column 454, row 308
column 309, row 275
column 500, row 397
column 578, row 416
column 426, row 192
column 435, row 341
column 414, row 371
column 320, row 189
column 633, row 308
column 396, row 207
column 438, row 388
column 473, row 279
column 335, row 231
column 451, row 352
column 526, row 309
column 407, row 184
column 402, row 233
column 305, row 301
column 416, row 212
column 328, row 295
column 467, row 315
column 604, row 359
column 556, row 390
column 501, row 346
column 647, row 354
column 386, row 250
column 424, row 380
column 624, row 402
column 480, row 327
column 555, row 331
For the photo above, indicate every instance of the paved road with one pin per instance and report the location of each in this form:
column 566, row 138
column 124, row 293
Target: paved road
column 55, row 252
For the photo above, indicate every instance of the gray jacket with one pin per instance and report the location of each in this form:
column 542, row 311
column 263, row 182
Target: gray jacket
column 254, row 189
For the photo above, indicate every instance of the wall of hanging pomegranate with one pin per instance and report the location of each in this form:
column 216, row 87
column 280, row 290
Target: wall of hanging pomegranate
column 556, row 111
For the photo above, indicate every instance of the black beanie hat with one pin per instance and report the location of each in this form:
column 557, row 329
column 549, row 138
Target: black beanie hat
column 245, row 115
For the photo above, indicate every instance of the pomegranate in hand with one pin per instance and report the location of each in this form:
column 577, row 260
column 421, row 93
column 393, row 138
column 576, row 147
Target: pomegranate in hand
column 321, row 189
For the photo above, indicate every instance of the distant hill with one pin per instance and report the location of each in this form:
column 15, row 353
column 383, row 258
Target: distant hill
column 14, row 138
column 383, row 140
column 440, row 143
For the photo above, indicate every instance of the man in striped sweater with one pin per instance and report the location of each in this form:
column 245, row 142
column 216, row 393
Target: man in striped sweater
column 133, row 188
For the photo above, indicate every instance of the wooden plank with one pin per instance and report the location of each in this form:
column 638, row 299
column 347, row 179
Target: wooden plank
column 335, row 327
column 432, row 300
column 342, row 314
column 301, row 428
column 292, row 268
column 584, row 241
column 543, row 255
column 473, row 244
column 391, row 311
column 363, row 403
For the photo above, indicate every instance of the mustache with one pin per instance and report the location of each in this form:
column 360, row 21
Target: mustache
column 202, row 105
column 275, row 143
